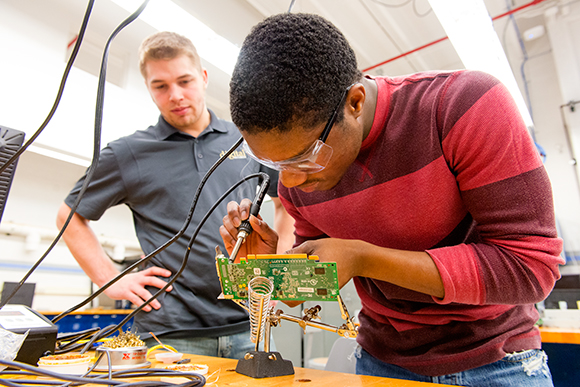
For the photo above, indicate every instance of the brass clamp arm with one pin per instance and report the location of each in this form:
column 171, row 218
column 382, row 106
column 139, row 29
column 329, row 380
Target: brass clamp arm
column 344, row 330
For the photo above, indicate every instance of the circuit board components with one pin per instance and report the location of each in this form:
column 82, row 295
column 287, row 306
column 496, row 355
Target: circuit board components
column 296, row 277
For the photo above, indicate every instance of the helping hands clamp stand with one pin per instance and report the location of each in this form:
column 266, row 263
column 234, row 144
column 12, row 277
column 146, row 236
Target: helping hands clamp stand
column 265, row 364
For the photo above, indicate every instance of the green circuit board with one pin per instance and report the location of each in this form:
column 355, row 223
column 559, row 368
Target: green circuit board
column 296, row 277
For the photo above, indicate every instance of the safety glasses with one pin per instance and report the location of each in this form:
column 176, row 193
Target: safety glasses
column 315, row 158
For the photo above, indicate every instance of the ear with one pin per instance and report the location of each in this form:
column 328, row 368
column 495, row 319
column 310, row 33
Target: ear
column 355, row 100
column 205, row 77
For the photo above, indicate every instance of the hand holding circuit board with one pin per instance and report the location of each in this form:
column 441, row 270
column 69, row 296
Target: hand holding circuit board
column 262, row 275
column 300, row 268
column 295, row 277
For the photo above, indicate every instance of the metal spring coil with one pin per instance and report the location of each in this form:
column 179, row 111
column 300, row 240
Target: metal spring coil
column 259, row 293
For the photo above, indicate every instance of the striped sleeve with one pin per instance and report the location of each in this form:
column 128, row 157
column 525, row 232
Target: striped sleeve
column 507, row 191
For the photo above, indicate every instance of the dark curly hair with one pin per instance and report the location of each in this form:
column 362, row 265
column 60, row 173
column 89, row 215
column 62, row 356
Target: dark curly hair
column 292, row 68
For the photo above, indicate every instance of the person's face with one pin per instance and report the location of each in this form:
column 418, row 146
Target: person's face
column 178, row 89
column 345, row 139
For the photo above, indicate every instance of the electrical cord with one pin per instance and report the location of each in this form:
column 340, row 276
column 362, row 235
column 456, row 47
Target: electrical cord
column 106, row 332
column 73, row 347
column 69, row 65
column 109, row 379
column 162, row 247
column 65, row 75
column 97, row 135
column 73, row 338
column 112, row 328
column 96, row 151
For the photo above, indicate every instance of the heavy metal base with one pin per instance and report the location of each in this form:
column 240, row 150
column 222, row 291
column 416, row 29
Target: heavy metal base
column 264, row 365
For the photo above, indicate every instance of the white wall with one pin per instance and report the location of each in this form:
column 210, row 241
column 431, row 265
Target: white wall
column 563, row 26
column 39, row 187
column 552, row 73
column 34, row 47
column 38, row 41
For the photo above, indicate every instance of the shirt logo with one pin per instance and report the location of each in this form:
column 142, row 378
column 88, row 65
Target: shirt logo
column 241, row 154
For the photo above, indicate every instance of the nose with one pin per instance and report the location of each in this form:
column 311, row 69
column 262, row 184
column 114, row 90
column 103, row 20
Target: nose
column 175, row 94
column 292, row 178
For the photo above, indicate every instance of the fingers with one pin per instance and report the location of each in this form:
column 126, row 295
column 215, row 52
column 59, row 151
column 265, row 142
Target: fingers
column 144, row 295
column 293, row 304
column 139, row 294
column 231, row 222
column 245, row 206
column 156, row 270
column 263, row 229
column 305, row 248
column 148, row 277
column 229, row 240
column 236, row 214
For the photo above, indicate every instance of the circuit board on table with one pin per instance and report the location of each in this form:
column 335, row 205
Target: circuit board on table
column 296, row 277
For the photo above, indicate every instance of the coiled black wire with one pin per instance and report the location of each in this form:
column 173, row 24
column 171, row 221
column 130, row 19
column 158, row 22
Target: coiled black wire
column 98, row 127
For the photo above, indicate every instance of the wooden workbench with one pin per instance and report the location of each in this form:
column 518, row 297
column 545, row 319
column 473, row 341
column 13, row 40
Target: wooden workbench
column 224, row 371
column 303, row 376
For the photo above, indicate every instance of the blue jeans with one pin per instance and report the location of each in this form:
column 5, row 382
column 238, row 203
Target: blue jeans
column 522, row 369
column 232, row 346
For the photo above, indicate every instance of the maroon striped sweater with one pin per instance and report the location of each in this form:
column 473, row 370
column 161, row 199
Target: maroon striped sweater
column 448, row 168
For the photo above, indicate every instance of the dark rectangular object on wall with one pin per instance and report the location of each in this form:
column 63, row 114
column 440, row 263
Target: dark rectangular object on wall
column 23, row 296
column 11, row 141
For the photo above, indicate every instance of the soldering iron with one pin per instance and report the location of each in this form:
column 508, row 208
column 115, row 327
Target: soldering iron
column 245, row 228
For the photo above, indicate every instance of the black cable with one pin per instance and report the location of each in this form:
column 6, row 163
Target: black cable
column 197, row 380
column 96, row 151
column 107, row 332
column 91, row 368
column 97, row 136
column 68, row 67
column 166, row 244
column 64, row 347
column 70, row 336
column 96, row 336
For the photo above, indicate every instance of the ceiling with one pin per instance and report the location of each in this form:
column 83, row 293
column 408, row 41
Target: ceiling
column 378, row 30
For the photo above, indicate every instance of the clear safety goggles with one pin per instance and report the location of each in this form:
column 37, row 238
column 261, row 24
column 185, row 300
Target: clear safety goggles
column 312, row 160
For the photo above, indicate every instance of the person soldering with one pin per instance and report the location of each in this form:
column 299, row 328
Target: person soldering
column 426, row 190
column 155, row 172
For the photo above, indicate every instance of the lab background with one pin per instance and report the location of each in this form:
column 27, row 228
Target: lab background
column 541, row 42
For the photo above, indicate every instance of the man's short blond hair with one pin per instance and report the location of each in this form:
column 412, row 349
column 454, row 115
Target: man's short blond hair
column 166, row 45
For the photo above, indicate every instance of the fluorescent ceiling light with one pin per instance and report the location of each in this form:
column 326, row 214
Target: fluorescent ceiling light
column 165, row 15
column 58, row 154
column 470, row 30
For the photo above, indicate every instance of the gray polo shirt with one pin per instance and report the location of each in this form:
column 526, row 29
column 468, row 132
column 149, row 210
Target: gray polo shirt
column 156, row 173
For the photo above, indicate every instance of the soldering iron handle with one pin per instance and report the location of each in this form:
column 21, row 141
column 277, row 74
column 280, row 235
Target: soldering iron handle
column 256, row 204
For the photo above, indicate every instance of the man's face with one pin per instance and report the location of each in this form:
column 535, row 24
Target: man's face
column 345, row 139
column 178, row 89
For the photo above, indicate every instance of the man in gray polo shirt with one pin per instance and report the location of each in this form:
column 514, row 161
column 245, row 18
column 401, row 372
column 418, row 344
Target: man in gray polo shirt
column 155, row 173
